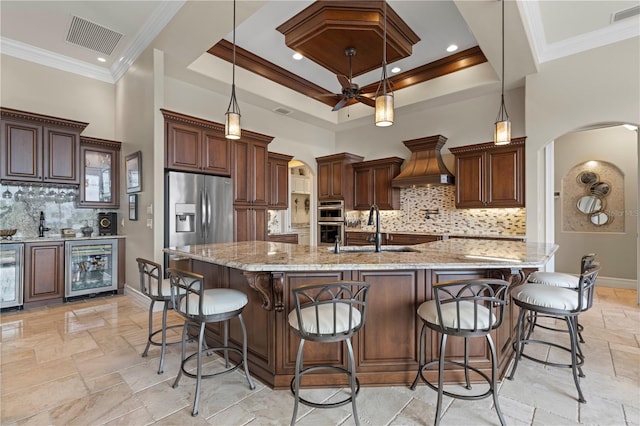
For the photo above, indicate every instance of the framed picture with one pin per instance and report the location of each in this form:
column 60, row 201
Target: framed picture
column 133, row 170
column 133, row 207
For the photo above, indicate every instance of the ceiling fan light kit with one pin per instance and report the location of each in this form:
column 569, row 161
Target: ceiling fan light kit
column 384, row 99
column 502, row 132
column 232, row 128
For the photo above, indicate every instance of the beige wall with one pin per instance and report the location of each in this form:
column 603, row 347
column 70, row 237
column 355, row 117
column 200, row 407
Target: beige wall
column 35, row 88
column 617, row 250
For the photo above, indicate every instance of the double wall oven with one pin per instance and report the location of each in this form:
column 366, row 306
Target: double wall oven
column 330, row 222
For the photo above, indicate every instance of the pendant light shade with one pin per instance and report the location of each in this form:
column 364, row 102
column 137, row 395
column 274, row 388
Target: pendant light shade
column 232, row 128
column 384, row 95
column 502, row 132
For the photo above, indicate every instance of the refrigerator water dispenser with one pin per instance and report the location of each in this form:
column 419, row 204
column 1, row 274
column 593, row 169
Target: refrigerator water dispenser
column 185, row 217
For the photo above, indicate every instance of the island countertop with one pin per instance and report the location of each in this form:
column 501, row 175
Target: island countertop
column 257, row 256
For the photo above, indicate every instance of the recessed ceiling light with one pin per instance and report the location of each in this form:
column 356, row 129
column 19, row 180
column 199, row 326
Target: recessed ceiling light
column 297, row 56
column 452, row 48
column 102, row 60
column 630, row 127
column 396, row 70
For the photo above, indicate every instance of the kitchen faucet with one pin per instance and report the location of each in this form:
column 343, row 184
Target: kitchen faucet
column 41, row 227
column 377, row 238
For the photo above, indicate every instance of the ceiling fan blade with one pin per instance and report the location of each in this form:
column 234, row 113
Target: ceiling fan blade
column 344, row 82
column 366, row 101
column 340, row 104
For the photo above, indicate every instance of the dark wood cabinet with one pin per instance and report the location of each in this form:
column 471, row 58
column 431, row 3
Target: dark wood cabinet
column 283, row 238
column 372, row 184
column 411, row 239
column 44, row 271
column 39, row 148
column 250, row 223
column 335, row 177
column 278, row 172
column 358, row 238
column 196, row 145
column 489, row 175
column 99, row 173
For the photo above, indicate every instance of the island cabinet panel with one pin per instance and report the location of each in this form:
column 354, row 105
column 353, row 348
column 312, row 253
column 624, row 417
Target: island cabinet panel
column 489, row 175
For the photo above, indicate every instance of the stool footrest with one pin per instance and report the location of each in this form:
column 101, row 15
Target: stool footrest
column 453, row 394
column 156, row 343
column 579, row 357
column 326, row 404
column 225, row 371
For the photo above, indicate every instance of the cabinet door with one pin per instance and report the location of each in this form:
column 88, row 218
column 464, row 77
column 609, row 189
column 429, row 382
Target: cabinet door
column 241, row 173
column 250, row 223
column 217, row 153
column 362, row 189
column 470, row 180
column 278, row 172
column 324, row 181
column 44, row 271
column 410, row 239
column 258, row 177
column 184, row 147
column 384, row 195
column 99, row 176
column 21, row 151
column 505, row 180
column 61, row 156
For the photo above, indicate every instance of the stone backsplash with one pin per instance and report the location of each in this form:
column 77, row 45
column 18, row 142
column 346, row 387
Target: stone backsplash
column 412, row 216
column 25, row 215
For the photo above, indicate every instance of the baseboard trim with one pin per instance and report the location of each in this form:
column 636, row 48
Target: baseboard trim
column 616, row 283
column 141, row 298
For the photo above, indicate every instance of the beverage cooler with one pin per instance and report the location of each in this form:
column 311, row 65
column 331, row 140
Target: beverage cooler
column 91, row 267
column 11, row 275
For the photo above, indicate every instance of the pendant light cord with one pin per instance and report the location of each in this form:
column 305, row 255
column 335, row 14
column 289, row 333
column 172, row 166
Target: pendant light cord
column 233, row 74
column 502, row 93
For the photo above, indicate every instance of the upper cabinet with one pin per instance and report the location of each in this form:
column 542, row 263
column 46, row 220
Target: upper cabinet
column 39, row 148
column 278, row 173
column 196, row 145
column 372, row 184
column 99, row 173
column 335, row 177
column 490, row 176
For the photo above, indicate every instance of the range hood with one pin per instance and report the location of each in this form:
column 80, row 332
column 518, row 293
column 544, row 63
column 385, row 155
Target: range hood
column 425, row 166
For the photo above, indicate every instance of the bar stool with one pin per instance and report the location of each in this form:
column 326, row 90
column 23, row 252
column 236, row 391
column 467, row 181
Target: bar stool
column 463, row 308
column 559, row 279
column 560, row 302
column 328, row 312
column 199, row 307
column 158, row 290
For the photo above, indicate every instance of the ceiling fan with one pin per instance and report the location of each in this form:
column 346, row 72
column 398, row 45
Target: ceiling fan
column 351, row 90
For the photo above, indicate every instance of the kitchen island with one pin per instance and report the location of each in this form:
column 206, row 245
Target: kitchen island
column 386, row 349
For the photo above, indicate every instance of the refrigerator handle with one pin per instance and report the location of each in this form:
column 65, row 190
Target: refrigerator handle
column 208, row 199
column 203, row 217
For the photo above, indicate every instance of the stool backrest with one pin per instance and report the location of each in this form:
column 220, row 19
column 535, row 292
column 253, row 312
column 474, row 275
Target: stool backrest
column 150, row 278
column 186, row 292
column 478, row 293
column 340, row 296
column 586, row 285
column 587, row 261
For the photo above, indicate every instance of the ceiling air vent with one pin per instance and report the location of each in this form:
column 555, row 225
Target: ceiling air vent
column 92, row 36
column 626, row 13
column 283, row 111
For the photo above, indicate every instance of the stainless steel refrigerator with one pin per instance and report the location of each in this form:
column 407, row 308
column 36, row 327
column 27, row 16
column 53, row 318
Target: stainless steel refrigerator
column 199, row 210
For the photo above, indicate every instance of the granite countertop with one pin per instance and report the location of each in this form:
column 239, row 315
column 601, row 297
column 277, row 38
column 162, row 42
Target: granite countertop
column 449, row 234
column 444, row 254
column 57, row 238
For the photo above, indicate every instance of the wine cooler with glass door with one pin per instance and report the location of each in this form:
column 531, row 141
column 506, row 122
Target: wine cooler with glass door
column 11, row 275
column 92, row 267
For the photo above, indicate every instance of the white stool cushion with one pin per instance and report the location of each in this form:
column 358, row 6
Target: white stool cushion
column 556, row 279
column 548, row 297
column 325, row 313
column 216, row 301
column 428, row 311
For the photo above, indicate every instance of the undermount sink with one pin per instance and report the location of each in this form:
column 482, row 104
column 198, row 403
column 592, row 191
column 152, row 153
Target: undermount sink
column 372, row 249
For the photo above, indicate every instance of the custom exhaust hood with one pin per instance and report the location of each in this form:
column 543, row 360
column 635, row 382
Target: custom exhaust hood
column 425, row 166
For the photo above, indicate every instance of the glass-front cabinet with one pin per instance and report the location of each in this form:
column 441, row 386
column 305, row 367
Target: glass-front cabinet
column 99, row 173
column 11, row 274
column 91, row 266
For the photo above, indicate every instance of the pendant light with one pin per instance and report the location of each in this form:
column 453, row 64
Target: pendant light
column 384, row 95
column 502, row 132
column 232, row 117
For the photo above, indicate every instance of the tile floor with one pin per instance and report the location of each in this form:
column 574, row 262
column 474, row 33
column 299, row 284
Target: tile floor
column 80, row 363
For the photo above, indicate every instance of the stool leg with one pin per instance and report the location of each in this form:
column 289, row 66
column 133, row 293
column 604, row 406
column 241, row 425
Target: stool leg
column 198, row 371
column 164, row 337
column 494, row 375
column 574, row 320
column 352, row 380
column 146, row 350
column 252, row 386
column 296, row 383
column 226, row 343
column 443, row 344
column 182, row 358
column 466, row 363
column 518, row 344
column 421, row 360
column 574, row 358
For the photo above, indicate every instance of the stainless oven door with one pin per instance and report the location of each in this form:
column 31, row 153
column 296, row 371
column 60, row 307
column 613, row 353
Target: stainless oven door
column 328, row 231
